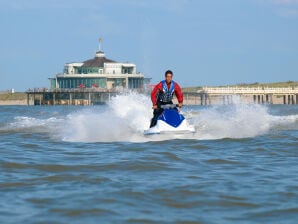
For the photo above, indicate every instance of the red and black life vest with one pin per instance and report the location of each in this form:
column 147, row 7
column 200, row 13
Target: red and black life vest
column 167, row 93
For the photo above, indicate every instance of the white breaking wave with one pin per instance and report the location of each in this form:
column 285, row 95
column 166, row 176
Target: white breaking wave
column 32, row 124
column 127, row 116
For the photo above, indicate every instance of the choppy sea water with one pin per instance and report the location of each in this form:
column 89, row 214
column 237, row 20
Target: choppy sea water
column 67, row 164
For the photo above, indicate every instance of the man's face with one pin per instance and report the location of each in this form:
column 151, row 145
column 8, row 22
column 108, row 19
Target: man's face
column 169, row 78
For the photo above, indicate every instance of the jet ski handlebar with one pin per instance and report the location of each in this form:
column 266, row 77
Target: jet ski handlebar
column 169, row 106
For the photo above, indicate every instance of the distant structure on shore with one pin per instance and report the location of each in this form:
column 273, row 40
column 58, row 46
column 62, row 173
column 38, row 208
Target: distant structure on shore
column 96, row 80
column 90, row 82
column 228, row 95
column 99, row 73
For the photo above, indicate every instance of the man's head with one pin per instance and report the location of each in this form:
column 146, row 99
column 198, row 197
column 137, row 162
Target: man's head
column 168, row 76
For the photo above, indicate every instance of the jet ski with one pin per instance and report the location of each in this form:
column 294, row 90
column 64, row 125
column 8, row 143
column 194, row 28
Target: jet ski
column 170, row 121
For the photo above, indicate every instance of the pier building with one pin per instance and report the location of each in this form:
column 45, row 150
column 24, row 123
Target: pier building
column 99, row 73
column 90, row 82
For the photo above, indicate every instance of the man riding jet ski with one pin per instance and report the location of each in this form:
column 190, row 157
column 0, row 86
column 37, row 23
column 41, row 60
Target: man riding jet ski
column 166, row 116
column 162, row 94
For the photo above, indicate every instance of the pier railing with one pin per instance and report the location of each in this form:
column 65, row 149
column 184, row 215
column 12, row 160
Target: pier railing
column 249, row 90
column 84, row 90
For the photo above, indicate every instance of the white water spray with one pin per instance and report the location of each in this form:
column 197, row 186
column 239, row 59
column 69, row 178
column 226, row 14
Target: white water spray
column 124, row 119
column 127, row 116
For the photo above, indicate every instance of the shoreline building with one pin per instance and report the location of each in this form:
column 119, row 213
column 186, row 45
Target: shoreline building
column 100, row 73
column 90, row 82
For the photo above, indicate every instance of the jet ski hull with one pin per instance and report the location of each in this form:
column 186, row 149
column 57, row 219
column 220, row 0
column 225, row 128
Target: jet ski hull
column 171, row 121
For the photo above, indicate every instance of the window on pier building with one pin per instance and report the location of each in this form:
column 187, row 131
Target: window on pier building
column 135, row 83
column 88, row 70
column 127, row 70
column 66, row 83
column 53, row 83
column 119, row 82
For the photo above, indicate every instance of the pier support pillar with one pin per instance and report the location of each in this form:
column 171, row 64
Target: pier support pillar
column 293, row 99
column 28, row 99
column 195, row 99
column 271, row 98
column 70, row 98
column 101, row 97
column 201, row 96
column 54, row 98
column 187, row 99
column 262, row 99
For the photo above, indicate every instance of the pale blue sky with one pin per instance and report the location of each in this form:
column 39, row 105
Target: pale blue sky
column 212, row 42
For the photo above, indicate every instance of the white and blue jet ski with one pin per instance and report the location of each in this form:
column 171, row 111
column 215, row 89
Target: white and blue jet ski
column 170, row 121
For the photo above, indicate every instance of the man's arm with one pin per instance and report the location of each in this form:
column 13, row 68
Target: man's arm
column 179, row 94
column 154, row 93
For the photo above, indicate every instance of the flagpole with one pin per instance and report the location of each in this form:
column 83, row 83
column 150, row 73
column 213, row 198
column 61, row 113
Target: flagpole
column 99, row 44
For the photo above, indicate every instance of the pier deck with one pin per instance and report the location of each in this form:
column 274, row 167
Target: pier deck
column 76, row 96
column 204, row 96
column 226, row 95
